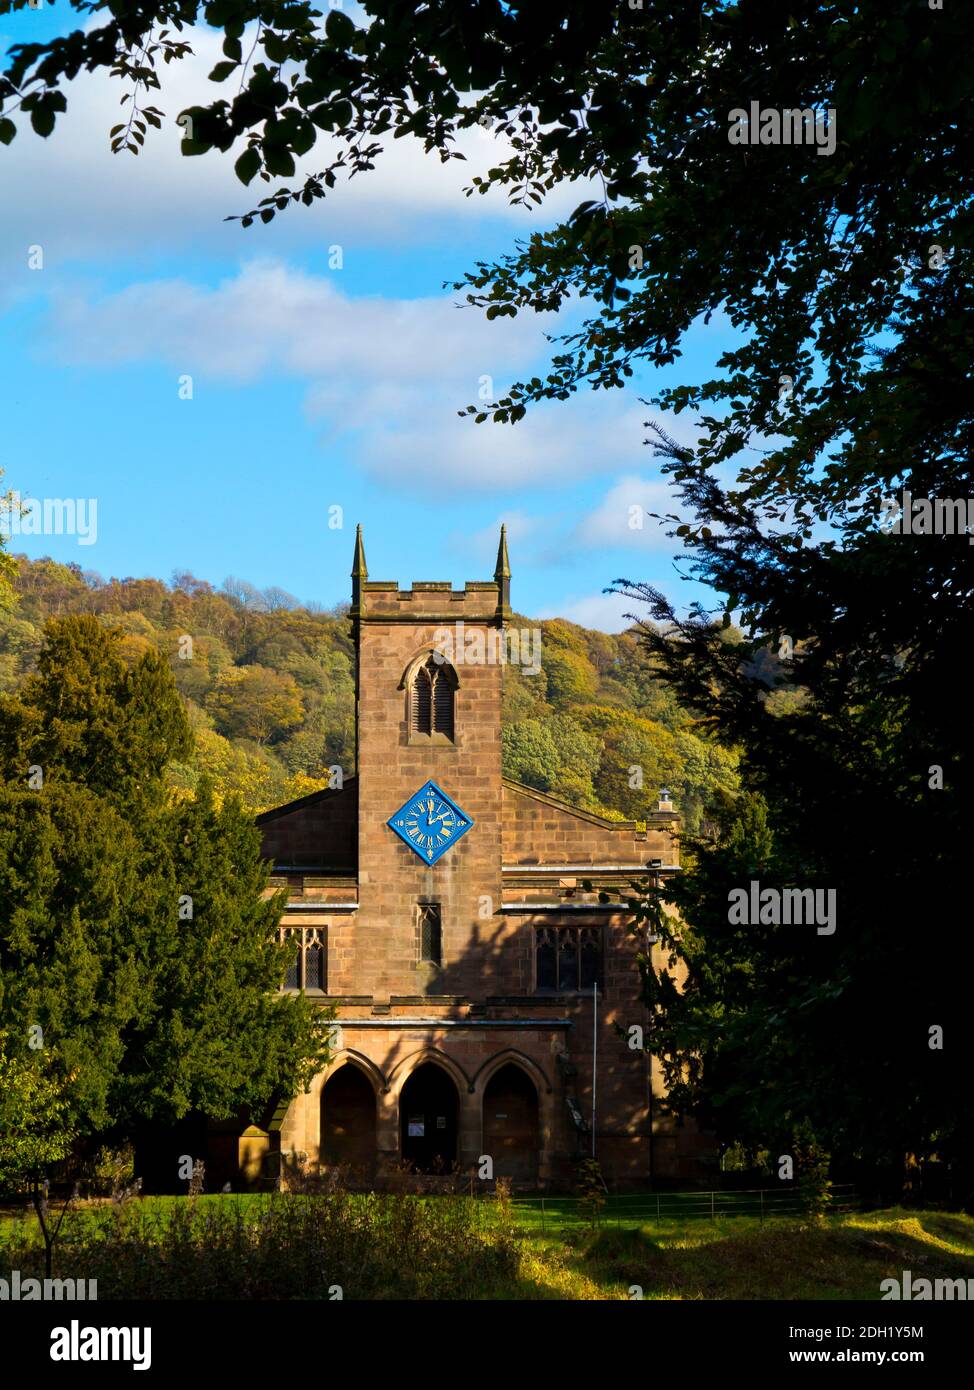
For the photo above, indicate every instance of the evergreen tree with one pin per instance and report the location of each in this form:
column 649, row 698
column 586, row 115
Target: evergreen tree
column 143, row 1012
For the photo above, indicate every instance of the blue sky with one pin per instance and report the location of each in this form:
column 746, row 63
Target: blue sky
column 313, row 386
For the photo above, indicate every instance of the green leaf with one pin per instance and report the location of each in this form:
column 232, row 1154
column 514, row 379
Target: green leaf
column 275, row 46
column 222, row 71
column 42, row 120
column 303, row 137
column 248, row 164
column 278, row 161
column 339, row 28
column 7, row 131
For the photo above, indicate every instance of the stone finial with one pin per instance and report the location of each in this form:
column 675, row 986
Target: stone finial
column 502, row 574
column 360, row 572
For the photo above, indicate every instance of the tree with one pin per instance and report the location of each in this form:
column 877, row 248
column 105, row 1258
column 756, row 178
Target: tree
column 706, row 775
column 34, row 1127
column 523, row 697
column 196, row 675
column 34, row 1133
column 843, row 267
column 20, row 642
column 572, row 679
column 219, row 1035
column 75, row 908
column 637, row 759
column 555, row 755
column 8, row 566
column 137, row 946
column 85, row 717
column 255, row 702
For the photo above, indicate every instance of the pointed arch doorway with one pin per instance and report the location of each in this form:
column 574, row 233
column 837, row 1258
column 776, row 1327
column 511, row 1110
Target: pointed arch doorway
column 429, row 1110
column 348, row 1121
column 511, row 1131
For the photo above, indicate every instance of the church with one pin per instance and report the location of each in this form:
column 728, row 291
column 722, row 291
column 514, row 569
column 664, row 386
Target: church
column 483, row 999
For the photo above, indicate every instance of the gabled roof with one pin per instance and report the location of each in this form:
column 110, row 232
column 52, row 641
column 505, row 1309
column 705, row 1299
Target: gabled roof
column 318, row 831
column 632, row 826
column 540, row 829
column 312, row 799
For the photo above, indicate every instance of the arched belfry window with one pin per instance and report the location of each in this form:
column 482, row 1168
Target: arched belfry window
column 431, row 685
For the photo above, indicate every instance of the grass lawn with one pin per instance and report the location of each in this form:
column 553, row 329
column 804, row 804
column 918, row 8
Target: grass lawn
column 741, row 1257
column 685, row 1256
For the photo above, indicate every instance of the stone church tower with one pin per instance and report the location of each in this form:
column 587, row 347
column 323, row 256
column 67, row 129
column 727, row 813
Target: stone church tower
column 438, row 907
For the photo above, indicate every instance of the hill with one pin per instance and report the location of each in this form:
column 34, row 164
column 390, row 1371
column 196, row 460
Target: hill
column 270, row 689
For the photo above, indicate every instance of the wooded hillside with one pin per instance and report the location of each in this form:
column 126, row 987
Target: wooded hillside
column 269, row 687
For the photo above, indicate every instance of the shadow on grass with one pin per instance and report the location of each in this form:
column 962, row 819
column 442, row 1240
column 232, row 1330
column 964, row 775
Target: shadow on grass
column 473, row 1253
column 775, row 1262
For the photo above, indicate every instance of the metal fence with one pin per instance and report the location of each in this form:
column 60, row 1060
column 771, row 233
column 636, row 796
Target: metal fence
column 640, row 1209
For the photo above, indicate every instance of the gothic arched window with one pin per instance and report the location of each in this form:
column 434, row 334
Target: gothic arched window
column 307, row 968
column 589, row 958
column 430, row 934
column 431, row 698
column 292, row 979
column 568, row 960
column 546, row 960
column 314, row 962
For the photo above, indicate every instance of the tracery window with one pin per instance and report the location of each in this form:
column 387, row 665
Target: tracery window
column 568, row 959
column 306, row 970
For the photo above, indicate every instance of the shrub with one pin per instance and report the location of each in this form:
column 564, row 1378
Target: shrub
column 287, row 1245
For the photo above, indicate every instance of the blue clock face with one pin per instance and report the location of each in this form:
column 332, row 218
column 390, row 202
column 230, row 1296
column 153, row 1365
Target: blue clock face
column 429, row 823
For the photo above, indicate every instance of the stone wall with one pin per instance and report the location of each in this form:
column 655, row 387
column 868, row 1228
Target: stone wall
column 520, row 867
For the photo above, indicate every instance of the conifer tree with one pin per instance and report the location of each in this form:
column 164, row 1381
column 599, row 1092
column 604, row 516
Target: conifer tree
column 137, row 953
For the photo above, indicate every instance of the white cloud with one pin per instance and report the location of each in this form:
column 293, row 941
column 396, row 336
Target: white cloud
column 268, row 317
column 605, row 612
column 553, row 445
column 392, row 372
column 624, row 516
column 71, row 195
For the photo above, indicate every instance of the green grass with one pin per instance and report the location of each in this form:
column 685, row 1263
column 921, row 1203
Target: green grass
column 558, row 1214
column 84, row 1215
column 681, row 1256
column 741, row 1257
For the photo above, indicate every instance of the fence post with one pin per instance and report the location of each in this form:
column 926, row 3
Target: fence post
column 542, row 1217
column 657, row 1206
column 712, row 1217
column 762, row 1203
